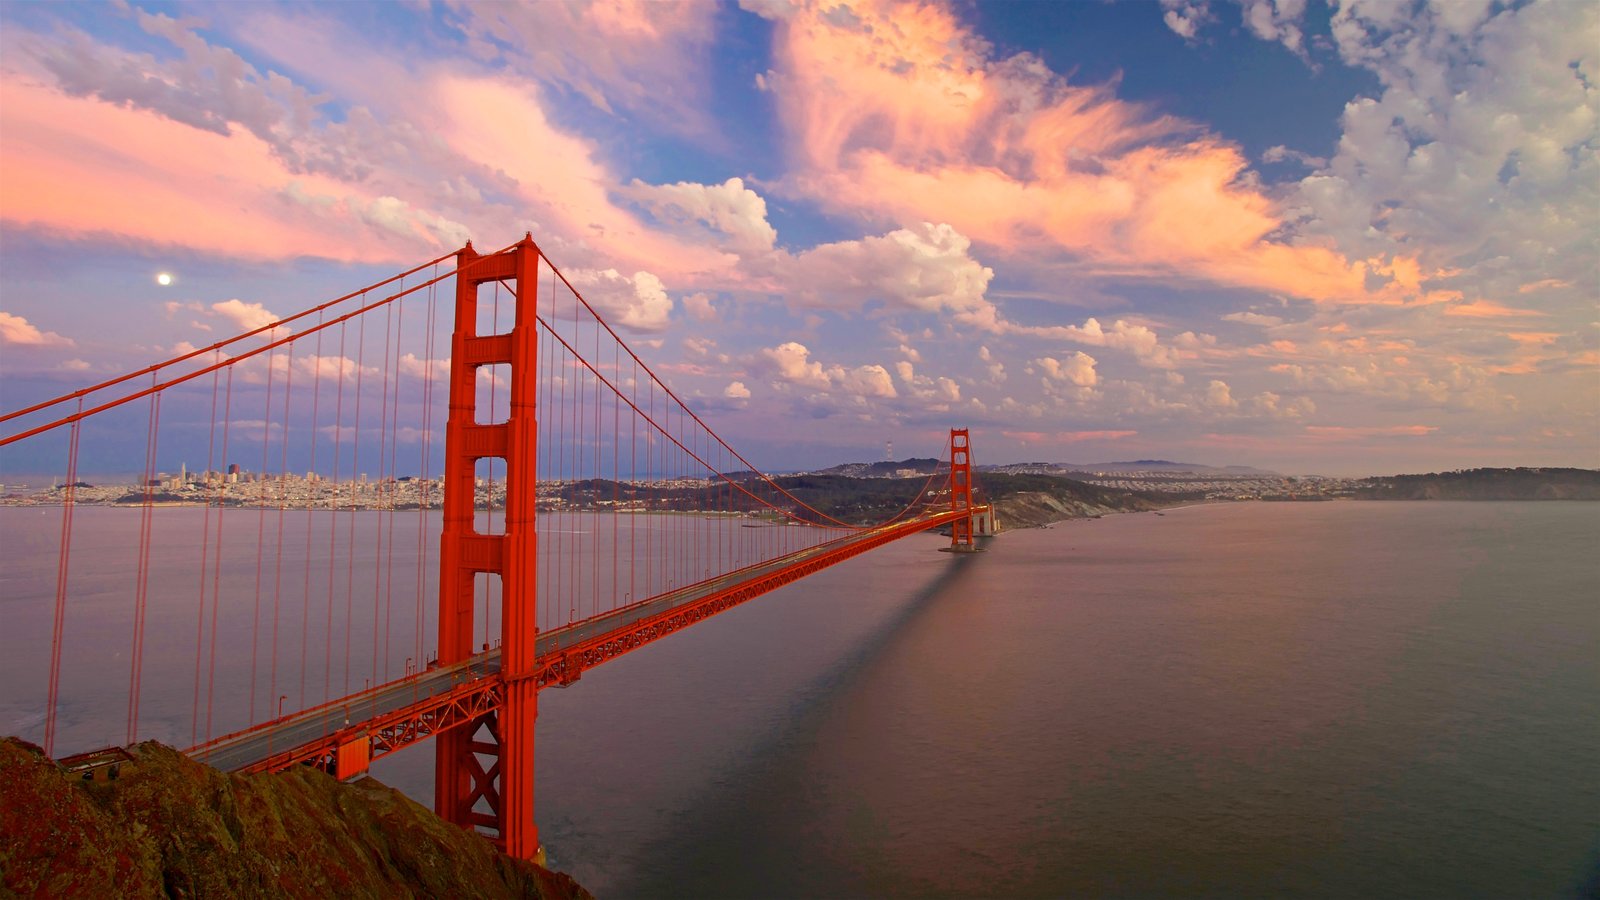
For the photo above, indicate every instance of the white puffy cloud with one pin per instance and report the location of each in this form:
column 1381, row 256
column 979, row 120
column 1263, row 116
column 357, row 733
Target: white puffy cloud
column 1185, row 17
column 245, row 316
column 1077, row 369
column 1479, row 152
column 1278, row 20
column 1139, row 340
column 1273, row 406
column 1220, row 396
column 791, row 362
column 736, row 391
column 734, row 215
column 17, row 330
column 400, row 218
column 794, row 365
column 418, row 367
column 867, row 381
column 639, row 302
column 925, row 267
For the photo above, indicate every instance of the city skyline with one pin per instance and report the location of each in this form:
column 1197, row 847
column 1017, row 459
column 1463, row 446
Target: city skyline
column 1341, row 240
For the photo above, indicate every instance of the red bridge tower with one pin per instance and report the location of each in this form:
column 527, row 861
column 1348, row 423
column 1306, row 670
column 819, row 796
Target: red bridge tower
column 483, row 771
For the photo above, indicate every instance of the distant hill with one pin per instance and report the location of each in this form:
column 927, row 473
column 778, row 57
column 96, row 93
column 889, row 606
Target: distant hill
column 1136, row 465
column 1021, row 500
column 1485, row 484
column 905, row 468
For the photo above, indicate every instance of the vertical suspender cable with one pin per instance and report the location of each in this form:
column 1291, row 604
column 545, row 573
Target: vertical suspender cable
column 63, row 566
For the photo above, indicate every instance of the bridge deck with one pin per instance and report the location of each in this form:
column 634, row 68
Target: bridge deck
column 402, row 712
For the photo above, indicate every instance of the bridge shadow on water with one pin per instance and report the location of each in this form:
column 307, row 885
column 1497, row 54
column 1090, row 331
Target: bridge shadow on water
column 747, row 835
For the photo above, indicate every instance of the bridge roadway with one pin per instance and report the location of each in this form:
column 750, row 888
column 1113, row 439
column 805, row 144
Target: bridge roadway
column 247, row 749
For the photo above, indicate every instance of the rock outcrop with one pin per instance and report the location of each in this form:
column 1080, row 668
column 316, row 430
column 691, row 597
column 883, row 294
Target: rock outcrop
column 167, row 826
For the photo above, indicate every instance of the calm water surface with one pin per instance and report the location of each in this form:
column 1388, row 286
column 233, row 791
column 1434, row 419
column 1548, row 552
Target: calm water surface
column 1314, row 700
column 1252, row 700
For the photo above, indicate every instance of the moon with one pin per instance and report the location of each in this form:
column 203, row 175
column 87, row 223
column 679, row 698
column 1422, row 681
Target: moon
column 164, row 279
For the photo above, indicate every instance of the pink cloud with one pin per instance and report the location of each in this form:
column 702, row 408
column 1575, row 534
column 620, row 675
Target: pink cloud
column 19, row 331
column 906, row 115
column 1066, row 437
column 559, row 177
column 645, row 55
column 81, row 166
column 1345, row 433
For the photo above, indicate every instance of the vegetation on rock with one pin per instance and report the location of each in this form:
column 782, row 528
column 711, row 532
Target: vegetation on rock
column 1486, row 484
column 170, row 827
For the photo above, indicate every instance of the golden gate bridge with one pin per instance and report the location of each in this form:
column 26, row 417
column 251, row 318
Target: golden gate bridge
column 585, row 511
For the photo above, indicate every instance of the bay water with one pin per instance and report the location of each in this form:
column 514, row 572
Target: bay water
column 1337, row 699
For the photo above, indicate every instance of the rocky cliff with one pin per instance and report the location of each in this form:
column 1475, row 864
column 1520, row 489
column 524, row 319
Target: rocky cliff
column 167, row 826
column 1028, row 501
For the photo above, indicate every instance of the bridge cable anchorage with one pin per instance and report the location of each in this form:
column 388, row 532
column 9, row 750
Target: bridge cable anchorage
column 648, row 522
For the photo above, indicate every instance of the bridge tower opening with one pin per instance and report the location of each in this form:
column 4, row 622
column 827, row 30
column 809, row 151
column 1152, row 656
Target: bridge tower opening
column 483, row 771
column 961, row 492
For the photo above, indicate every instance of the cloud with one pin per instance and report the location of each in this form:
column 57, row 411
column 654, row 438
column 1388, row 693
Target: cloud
column 795, row 366
column 1077, row 369
column 204, row 86
column 1488, row 309
column 736, row 391
column 1185, row 17
column 792, row 364
column 1139, row 340
column 245, row 316
column 924, row 267
column 907, row 115
column 645, row 56
column 1273, row 406
column 1279, row 153
column 1478, row 154
column 1220, row 396
column 398, row 217
column 1252, row 318
column 874, row 381
column 730, row 213
column 1067, row 437
column 700, row 307
column 1354, row 432
column 146, row 191
column 17, row 330
column 1278, row 20
column 417, row 367
column 638, row 302
column 555, row 177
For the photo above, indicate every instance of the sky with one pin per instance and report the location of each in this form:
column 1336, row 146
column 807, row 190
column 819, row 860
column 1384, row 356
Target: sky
column 1337, row 238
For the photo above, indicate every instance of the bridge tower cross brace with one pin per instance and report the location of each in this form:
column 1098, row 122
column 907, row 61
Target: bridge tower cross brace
column 483, row 770
column 961, row 490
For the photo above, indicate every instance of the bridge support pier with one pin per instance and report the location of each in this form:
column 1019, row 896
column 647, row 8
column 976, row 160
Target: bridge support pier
column 483, row 771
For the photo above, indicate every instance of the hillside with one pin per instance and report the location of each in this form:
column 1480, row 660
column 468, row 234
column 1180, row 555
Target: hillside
column 1485, row 484
column 170, row 827
column 1025, row 501
column 1022, row 501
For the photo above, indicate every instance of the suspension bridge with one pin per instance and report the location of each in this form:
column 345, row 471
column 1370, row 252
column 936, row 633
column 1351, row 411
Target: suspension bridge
column 392, row 539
